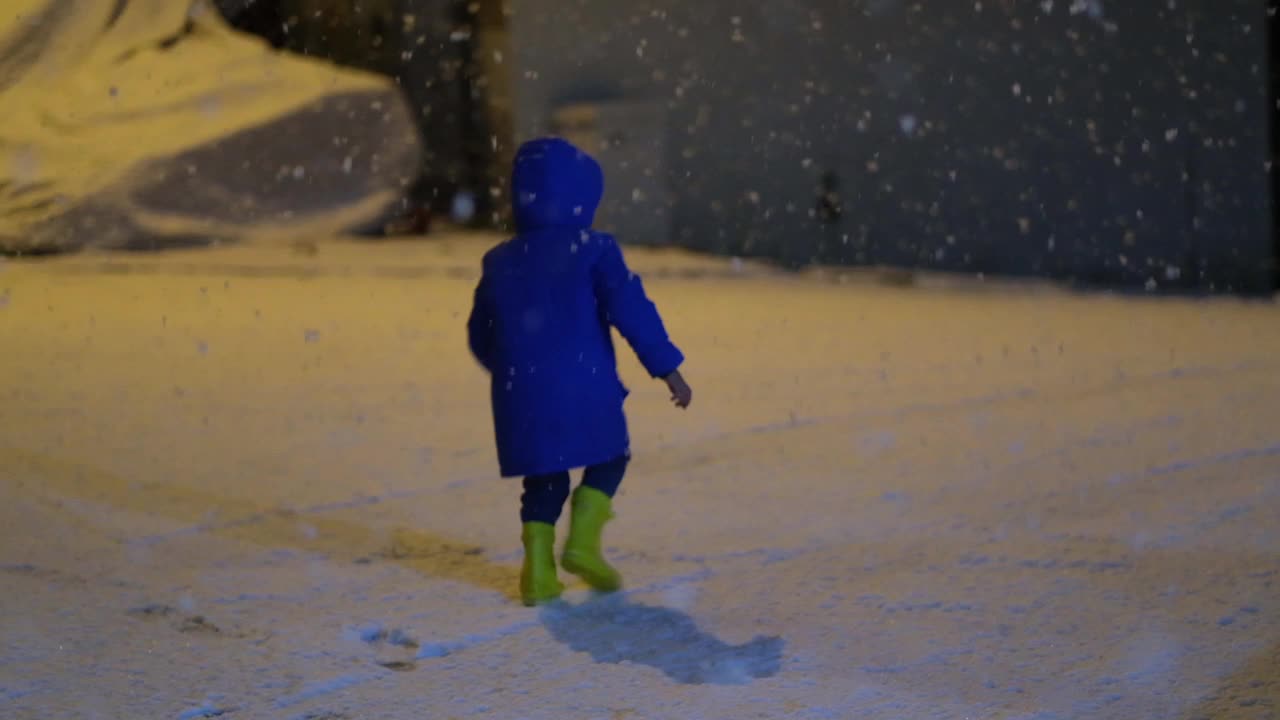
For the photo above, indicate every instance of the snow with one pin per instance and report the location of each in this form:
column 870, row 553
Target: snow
column 153, row 122
column 893, row 497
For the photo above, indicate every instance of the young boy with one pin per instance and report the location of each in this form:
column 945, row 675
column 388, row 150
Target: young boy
column 541, row 326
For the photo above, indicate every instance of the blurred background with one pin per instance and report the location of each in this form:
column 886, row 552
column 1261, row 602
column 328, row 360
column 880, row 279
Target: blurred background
column 1116, row 143
column 1113, row 144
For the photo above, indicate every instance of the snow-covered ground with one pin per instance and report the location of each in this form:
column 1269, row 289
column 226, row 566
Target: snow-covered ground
column 261, row 483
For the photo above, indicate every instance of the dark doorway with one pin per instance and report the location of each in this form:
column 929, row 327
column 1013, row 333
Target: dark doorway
column 435, row 50
column 1273, row 45
column 261, row 17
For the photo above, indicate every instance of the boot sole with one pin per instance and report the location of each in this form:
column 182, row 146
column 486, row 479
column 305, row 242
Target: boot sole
column 598, row 582
column 535, row 600
column 539, row 601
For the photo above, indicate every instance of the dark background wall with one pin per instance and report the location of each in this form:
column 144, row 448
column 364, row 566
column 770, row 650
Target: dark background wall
column 1108, row 142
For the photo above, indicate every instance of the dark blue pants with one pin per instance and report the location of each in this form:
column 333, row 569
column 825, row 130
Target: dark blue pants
column 544, row 495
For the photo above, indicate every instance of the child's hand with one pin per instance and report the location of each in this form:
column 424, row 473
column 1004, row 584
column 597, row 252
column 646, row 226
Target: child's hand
column 681, row 393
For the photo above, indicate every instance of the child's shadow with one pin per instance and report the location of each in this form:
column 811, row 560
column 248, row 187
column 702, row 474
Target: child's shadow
column 614, row 630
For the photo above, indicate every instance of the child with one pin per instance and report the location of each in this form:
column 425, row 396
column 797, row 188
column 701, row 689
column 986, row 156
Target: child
column 541, row 326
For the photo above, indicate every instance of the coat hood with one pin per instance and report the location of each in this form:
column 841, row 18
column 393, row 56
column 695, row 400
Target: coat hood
column 555, row 185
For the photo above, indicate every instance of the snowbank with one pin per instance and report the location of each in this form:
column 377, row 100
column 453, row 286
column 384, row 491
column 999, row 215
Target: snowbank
column 149, row 123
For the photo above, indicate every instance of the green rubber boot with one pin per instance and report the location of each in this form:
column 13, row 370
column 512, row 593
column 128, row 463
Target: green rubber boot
column 582, row 557
column 538, row 581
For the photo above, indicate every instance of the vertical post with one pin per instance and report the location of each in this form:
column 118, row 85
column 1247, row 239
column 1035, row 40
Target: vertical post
column 1273, row 111
column 493, row 61
column 469, row 95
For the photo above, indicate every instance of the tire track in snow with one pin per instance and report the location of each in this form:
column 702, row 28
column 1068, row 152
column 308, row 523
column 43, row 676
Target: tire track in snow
column 1202, row 463
column 970, row 402
column 430, row 651
column 771, row 556
column 768, row 556
column 265, row 515
column 975, row 401
column 441, row 649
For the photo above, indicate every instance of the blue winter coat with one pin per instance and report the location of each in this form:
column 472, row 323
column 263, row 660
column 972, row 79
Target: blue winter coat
column 542, row 315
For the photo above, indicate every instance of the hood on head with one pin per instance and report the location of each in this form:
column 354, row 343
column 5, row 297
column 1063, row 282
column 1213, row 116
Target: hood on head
column 554, row 184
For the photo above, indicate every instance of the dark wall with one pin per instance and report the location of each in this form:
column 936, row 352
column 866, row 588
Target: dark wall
column 1116, row 143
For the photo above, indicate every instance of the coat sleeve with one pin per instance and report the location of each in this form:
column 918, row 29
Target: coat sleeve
column 622, row 299
column 480, row 327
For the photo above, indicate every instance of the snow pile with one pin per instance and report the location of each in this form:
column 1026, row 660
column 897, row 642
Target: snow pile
column 152, row 123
